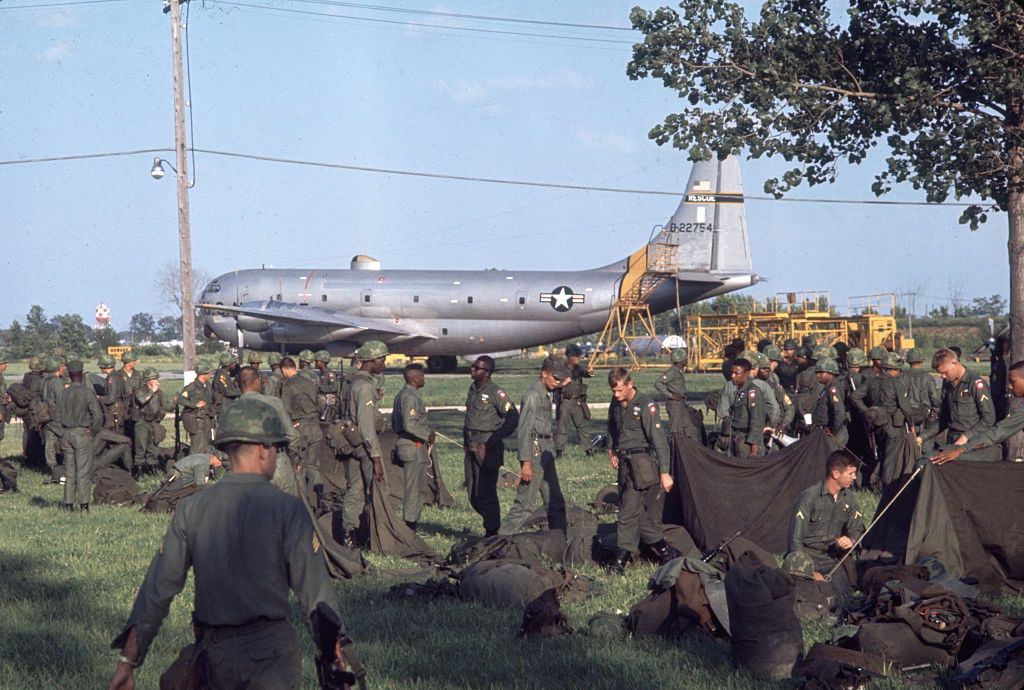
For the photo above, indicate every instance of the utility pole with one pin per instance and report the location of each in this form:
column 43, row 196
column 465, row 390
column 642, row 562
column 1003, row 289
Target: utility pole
column 188, row 314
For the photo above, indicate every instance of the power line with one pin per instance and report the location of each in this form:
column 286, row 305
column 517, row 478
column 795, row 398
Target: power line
column 473, row 178
column 589, row 39
column 58, row 4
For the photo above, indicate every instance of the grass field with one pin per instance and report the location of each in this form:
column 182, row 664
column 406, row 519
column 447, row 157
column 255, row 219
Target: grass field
column 68, row 582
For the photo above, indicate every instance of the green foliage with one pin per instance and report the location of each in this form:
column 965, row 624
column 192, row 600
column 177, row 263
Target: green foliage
column 142, row 327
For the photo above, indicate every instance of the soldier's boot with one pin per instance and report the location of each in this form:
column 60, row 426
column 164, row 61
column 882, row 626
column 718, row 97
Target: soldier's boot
column 589, row 452
column 66, row 507
column 618, row 563
column 349, row 542
column 135, row 471
column 559, row 453
column 664, row 551
column 321, row 503
column 83, row 507
column 412, row 525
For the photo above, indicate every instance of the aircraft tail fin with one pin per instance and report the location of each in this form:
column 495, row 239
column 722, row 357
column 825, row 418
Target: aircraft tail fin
column 710, row 225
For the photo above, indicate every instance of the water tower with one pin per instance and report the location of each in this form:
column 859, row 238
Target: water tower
column 102, row 316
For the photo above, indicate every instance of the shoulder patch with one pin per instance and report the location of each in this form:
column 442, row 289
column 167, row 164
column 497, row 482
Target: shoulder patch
column 501, row 393
column 652, row 408
column 752, row 394
column 980, row 384
column 184, row 393
column 508, row 406
column 412, row 412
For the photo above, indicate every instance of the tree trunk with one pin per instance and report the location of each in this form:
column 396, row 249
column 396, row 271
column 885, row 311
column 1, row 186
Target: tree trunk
column 1015, row 212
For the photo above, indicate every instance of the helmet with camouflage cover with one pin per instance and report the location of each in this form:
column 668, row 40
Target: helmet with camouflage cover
column 855, row 357
column 798, row 564
column 129, row 356
column 827, row 365
column 323, row 356
column 50, row 364
column 573, row 350
column 809, row 341
column 35, row 364
column 274, row 358
column 227, row 358
column 773, row 354
column 761, row 361
column 824, row 352
column 678, row 355
column 149, row 374
column 750, row 356
column 255, row 356
column 556, row 365
column 877, row 352
column 203, row 367
column 914, row 356
column 105, row 362
column 306, row 356
column 371, row 349
column 803, row 352
column 250, row 420
column 790, row 344
column 893, row 361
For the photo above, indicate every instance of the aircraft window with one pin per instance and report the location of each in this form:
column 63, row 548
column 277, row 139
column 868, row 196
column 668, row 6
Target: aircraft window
column 522, row 300
column 323, row 298
column 469, row 300
column 366, row 298
column 444, row 331
column 416, row 298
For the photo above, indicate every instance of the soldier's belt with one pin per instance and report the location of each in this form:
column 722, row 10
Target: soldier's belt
column 216, row 633
column 626, row 452
column 543, row 436
column 479, row 432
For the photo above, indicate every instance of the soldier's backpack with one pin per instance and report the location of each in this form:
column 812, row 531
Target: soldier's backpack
column 607, row 500
column 827, row 667
column 678, row 603
column 8, row 476
column 543, row 617
column 113, row 486
column 506, row 582
column 22, row 397
column 166, row 501
column 540, row 548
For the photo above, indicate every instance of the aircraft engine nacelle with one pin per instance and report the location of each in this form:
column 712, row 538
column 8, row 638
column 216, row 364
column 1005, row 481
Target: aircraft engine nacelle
column 252, row 323
column 292, row 333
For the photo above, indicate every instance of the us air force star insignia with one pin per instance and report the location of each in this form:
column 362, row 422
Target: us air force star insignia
column 562, row 298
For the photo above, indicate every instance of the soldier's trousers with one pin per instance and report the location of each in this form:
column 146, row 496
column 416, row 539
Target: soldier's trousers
column 77, row 446
column 311, row 440
column 359, row 475
column 201, row 441
column 413, row 457
column 267, row 657
column 145, row 444
column 740, row 447
column 482, row 480
column 571, row 417
column 639, row 509
column 53, row 445
column 545, row 484
column 679, row 419
column 108, row 447
column 284, row 475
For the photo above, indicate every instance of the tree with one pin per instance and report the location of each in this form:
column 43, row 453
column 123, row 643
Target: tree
column 73, row 335
column 988, row 306
column 142, row 327
column 938, row 81
column 168, row 328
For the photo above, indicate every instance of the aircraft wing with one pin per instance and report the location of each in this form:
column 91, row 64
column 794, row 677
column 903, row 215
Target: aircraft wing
column 288, row 312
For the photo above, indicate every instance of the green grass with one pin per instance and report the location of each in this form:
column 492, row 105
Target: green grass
column 68, row 582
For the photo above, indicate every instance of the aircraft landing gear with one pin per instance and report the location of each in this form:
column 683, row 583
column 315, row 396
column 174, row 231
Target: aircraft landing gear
column 442, row 364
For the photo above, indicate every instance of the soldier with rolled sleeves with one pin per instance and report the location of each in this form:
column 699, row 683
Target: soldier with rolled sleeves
column 748, row 413
column 197, row 416
column 409, row 420
column 298, row 394
column 967, row 408
column 224, row 387
column 829, row 412
column 53, row 386
column 638, row 451
column 248, row 544
column 275, row 380
column 365, row 465
column 672, row 385
column 573, row 410
column 152, row 405
column 538, row 472
column 490, row 418
column 80, row 417
column 1003, row 430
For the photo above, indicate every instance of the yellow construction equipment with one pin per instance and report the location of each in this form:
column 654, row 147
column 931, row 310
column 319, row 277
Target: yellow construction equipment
column 795, row 315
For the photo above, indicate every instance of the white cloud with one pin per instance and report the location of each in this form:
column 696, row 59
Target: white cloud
column 59, row 19
column 56, row 52
column 607, row 141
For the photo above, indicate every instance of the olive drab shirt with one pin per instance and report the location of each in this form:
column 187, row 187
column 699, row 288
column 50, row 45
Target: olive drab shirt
column 787, row 372
column 856, row 390
column 672, row 383
column 128, row 384
column 783, row 400
column 576, row 388
column 749, row 412
column 248, row 544
column 489, row 409
column 363, row 408
column 193, row 394
column 967, row 406
column 1004, row 429
column 53, row 387
column 637, row 425
column 299, row 397
column 818, row 520
column 152, row 405
column 535, row 421
column 894, row 398
column 78, row 408
column 224, row 386
column 729, row 391
column 409, row 414
column 274, row 383
column 193, row 469
column 830, row 407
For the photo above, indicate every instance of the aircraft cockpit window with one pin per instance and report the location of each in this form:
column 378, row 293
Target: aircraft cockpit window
column 366, row 298
column 522, row 300
column 213, row 287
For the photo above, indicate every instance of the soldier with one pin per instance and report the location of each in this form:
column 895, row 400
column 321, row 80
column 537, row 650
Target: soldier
column 573, row 411
column 896, row 418
column 766, row 374
column 53, row 386
column 409, row 420
column 275, row 380
column 255, row 360
column 538, row 473
column 151, row 406
column 827, row 519
column 33, row 378
column 1002, row 431
column 361, row 403
column 490, row 417
column 80, row 417
column 284, row 475
column 328, row 388
column 672, row 385
column 197, row 416
column 925, row 398
column 306, row 368
column 729, row 391
column 249, row 543
column 193, row 469
column 829, row 412
column 224, row 387
column 298, row 393
column 748, row 413
column 98, row 382
column 967, row 407
column 129, row 382
column 638, row 451
column 4, row 398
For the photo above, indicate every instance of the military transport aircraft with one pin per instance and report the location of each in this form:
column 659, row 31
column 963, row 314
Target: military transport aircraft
column 444, row 314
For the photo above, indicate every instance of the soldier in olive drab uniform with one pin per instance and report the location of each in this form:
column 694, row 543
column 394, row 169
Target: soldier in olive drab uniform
column 128, row 382
column 538, row 472
column 409, row 420
column 748, row 413
column 365, row 466
column 827, row 519
column 925, row 398
column 284, row 475
column 53, row 386
column 192, row 470
column 766, row 373
column 249, row 543
column 275, row 380
column 4, row 410
column 1003, row 430
column 152, row 406
column 829, row 412
column 80, row 417
column 255, row 360
column 672, row 384
column 306, row 368
column 788, row 368
column 729, row 390
column 224, row 387
column 638, row 451
column 328, row 388
column 298, row 394
column 573, row 411
column 490, row 417
column 967, row 407
column 197, row 416
column 896, row 418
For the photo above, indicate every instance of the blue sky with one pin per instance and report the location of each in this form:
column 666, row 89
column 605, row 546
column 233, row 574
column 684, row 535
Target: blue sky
column 93, row 78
